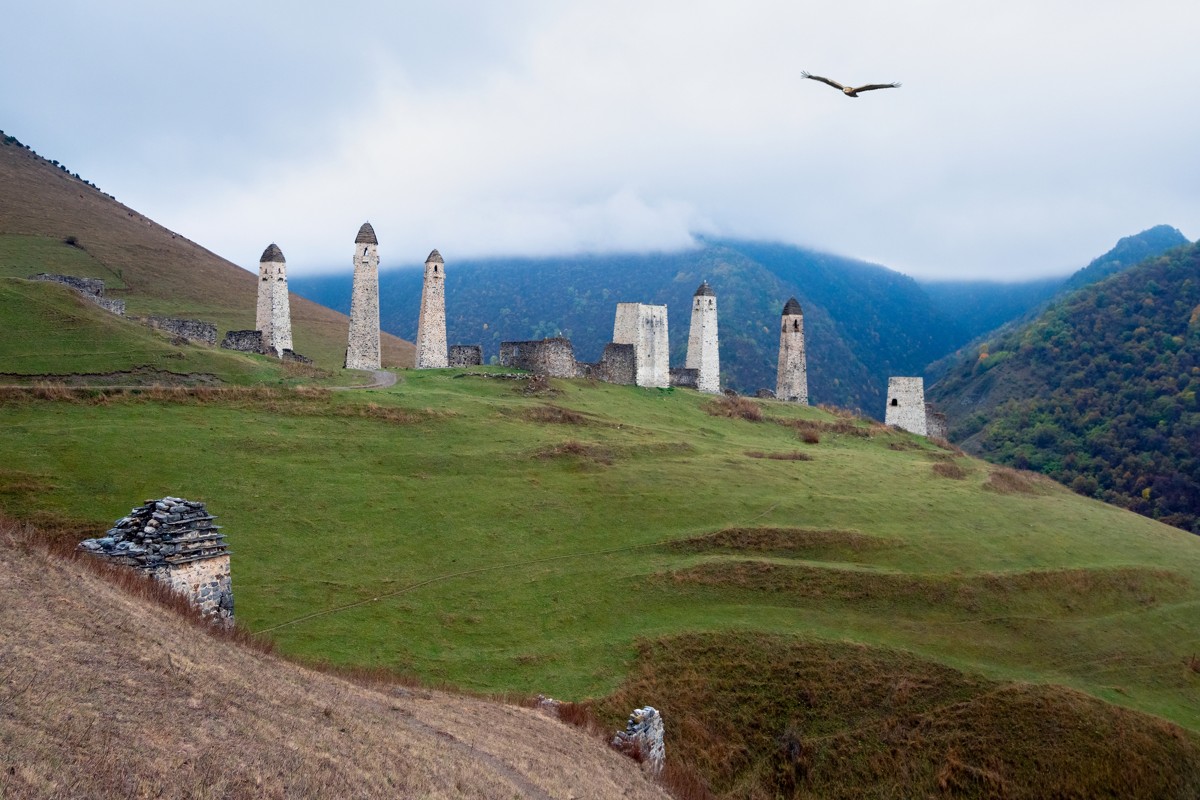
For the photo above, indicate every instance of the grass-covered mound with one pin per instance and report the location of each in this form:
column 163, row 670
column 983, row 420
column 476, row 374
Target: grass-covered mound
column 762, row 716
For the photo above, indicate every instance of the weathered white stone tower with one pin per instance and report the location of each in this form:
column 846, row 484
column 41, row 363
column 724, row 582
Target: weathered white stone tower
column 791, row 378
column 645, row 327
column 432, row 352
column 362, row 351
column 273, row 317
column 702, row 352
column 906, row 405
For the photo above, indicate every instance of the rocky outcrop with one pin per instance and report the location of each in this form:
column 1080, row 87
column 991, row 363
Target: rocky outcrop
column 642, row 738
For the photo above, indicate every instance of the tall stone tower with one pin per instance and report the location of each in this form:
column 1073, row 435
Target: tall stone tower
column 362, row 351
column 273, row 317
column 906, row 405
column 791, row 380
column 432, row 352
column 702, row 340
column 645, row 327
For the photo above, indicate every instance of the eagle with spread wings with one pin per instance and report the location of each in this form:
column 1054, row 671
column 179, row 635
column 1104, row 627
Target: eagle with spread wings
column 850, row 91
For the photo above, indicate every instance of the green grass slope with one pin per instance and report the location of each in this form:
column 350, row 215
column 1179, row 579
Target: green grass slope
column 156, row 271
column 52, row 334
column 498, row 536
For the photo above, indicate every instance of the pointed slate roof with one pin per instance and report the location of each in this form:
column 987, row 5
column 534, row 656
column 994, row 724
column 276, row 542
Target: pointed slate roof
column 435, row 258
column 366, row 235
column 791, row 307
column 272, row 254
column 705, row 290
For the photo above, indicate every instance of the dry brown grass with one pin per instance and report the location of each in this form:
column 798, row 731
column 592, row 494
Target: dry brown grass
column 795, row 455
column 800, row 542
column 811, row 430
column 107, row 692
column 734, row 407
column 580, row 451
column 1004, row 480
column 555, row 415
column 948, row 469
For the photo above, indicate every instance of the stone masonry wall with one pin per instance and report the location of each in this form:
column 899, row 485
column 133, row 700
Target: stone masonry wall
column 643, row 739
column 685, row 377
column 617, row 365
column 935, row 423
column 465, row 355
column 90, row 289
column 243, row 341
column 194, row 330
column 176, row 542
column 906, row 404
column 552, row 357
column 645, row 327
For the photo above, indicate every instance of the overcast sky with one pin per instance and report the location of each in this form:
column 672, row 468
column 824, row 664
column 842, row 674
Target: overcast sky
column 1028, row 136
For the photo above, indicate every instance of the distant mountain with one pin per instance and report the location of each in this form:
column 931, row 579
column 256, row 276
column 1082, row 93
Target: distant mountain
column 1099, row 391
column 1129, row 251
column 864, row 322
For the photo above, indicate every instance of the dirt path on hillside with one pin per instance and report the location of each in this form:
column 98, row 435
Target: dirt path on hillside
column 382, row 377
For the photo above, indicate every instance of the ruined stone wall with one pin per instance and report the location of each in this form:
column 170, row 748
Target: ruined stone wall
column 465, row 355
column 552, row 357
column 791, row 379
column 431, row 321
column 617, row 365
column 685, row 377
column 906, row 404
column 702, row 352
column 194, row 330
column 243, row 341
column 362, row 350
column 935, row 423
column 176, row 542
column 90, row 289
column 645, row 327
column 643, row 738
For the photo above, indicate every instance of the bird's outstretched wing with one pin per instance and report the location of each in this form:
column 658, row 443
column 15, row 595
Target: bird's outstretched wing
column 871, row 86
column 812, row 77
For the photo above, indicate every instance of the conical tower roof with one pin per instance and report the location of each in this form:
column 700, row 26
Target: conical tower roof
column 705, row 290
column 366, row 235
column 272, row 254
column 792, row 307
column 435, row 258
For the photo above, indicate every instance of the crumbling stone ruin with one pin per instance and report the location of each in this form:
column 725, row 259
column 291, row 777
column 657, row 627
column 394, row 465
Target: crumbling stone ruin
column 618, row 364
column 702, row 354
column 90, row 289
column 193, row 330
column 791, row 377
column 431, row 322
column 554, row 358
column 244, row 341
column 465, row 355
column 645, row 327
column 362, row 350
column 176, row 542
column 906, row 405
column 274, row 317
column 685, row 377
column 935, row 423
column 643, row 739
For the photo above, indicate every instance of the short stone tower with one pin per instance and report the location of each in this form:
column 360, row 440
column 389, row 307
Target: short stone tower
column 906, row 405
column 702, row 354
column 274, row 317
column 791, row 379
column 645, row 327
column 432, row 352
column 362, row 351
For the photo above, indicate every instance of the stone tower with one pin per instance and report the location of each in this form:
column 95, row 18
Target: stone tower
column 432, row 352
column 791, row 380
column 906, row 405
column 702, row 353
column 645, row 327
column 362, row 351
column 274, row 316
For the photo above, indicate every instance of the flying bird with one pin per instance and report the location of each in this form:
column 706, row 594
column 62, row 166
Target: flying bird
column 850, row 91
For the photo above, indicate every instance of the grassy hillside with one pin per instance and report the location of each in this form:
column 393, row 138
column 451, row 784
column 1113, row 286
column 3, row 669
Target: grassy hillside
column 104, row 693
column 1098, row 392
column 502, row 535
column 156, row 271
